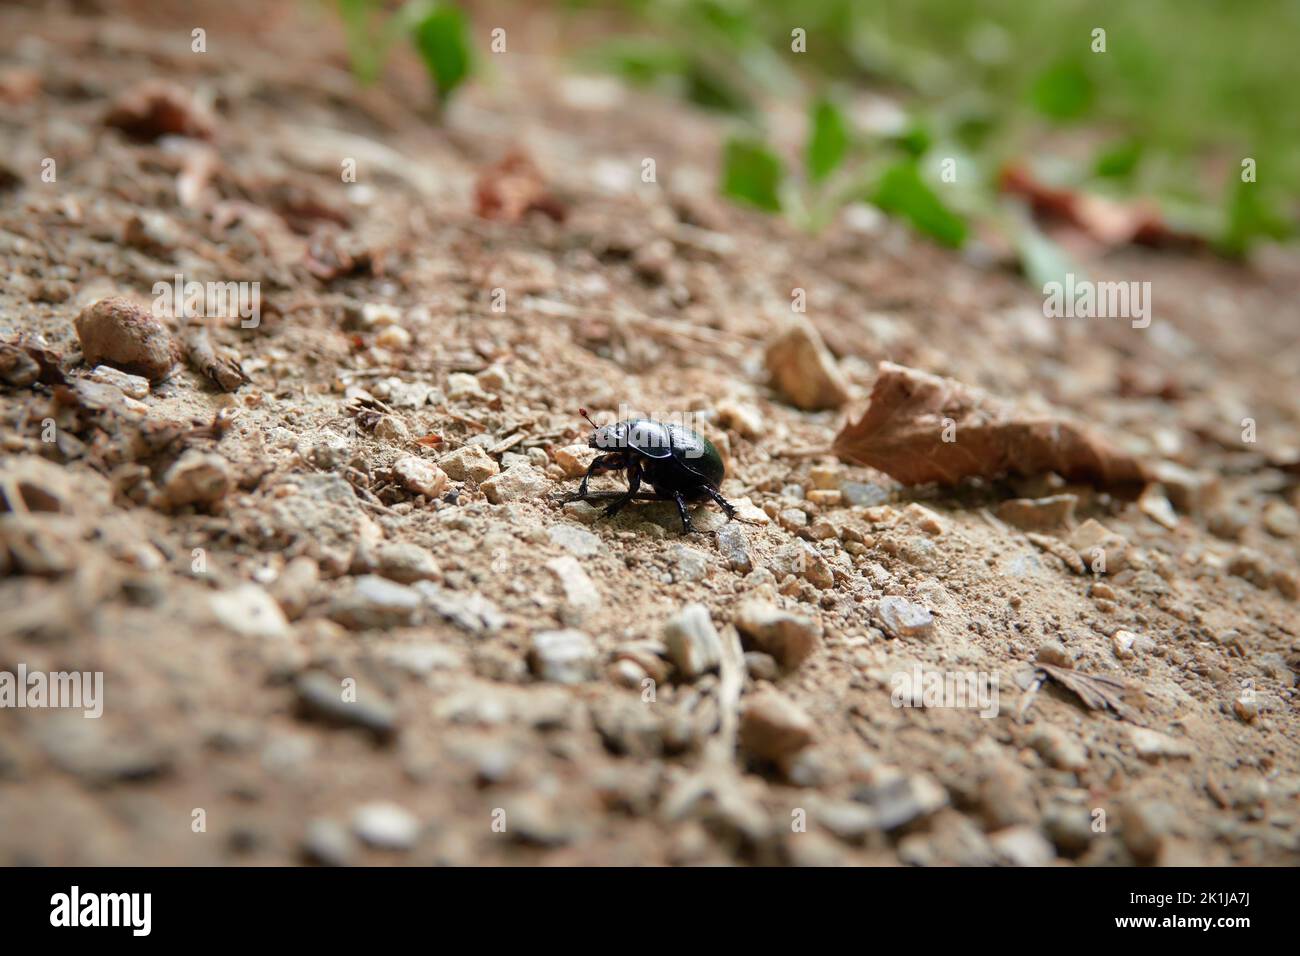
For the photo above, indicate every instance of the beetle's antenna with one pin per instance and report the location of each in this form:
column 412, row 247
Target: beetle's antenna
column 583, row 413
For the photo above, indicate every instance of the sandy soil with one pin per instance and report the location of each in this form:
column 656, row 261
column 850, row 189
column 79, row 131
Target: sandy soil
column 340, row 655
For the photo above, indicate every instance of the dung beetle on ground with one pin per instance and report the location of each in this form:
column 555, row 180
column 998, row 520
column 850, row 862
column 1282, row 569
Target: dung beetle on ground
column 681, row 465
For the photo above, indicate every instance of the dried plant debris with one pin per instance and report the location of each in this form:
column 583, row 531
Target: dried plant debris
column 158, row 108
column 1096, row 691
column 25, row 362
column 332, row 254
column 921, row 428
column 219, row 366
column 1107, row 221
column 512, row 188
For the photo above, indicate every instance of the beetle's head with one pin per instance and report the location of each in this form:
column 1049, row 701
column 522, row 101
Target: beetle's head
column 608, row 437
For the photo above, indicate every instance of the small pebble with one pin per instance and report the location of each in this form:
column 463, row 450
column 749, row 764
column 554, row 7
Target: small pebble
column 688, row 564
column 1058, row 748
column 132, row 386
column 386, row 826
column 773, row 727
column 249, row 610
column 565, row 657
column 577, row 541
column 902, row 618
column 790, row 638
column 734, row 547
column 394, row 337
column 197, row 478
column 519, row 482
column 376, row 602
column 420, row 477
column 1054, row 653
column 117, row 332
column 322, row 696
column 693, row 641
column 328, row 843
column 575, row 459
column 469, row 463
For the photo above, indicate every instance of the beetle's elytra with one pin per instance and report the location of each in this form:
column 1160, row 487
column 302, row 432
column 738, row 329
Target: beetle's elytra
column 681, row 465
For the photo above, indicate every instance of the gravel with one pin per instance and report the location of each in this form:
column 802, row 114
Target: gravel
column 565, row 657
column 420, row 477
column 901, row 618
column 386, row 826
column 692, row 641
column 249, row 610
column 374, row 601
column 469, row 463
column 322, row 696
column 519, row 482
column 789, row 637
column 773, row 727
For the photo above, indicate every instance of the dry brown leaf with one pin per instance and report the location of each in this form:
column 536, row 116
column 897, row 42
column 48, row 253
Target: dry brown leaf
column 1110, row 222
column 332, row 254
column 1097, row 691
column 156, row 108
column 512, row 188
column 24, row 361
column 902, row 434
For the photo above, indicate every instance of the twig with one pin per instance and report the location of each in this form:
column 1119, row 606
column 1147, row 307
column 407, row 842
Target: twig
column 224, row 371
column 721, row 748
column 802, row 452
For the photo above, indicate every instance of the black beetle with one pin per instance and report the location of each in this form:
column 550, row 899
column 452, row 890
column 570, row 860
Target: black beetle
column 680, row 464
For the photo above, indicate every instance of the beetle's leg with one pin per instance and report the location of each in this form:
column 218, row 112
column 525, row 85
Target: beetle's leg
column 723, row 503
column 687, row 527
column 611, row 462
column 633, row 485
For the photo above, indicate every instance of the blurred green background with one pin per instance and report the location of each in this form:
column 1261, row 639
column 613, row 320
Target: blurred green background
column 1181, row 94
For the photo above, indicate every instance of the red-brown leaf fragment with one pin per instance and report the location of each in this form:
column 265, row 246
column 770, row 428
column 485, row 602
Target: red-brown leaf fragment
column 157, row 108
column 902, row 434
column 1107, row 221
column 512, row 188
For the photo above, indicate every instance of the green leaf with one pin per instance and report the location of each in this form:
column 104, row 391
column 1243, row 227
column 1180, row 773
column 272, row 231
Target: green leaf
column 752, row 173
column 442, row 39
column 1251, row 217
column 711, row 89
column 828, row 140
column 1063, row 92
column 915, row 140
column 637, row 61
column 902, row 192
column 645, row 62
column 365, row 50
column 1119, row 161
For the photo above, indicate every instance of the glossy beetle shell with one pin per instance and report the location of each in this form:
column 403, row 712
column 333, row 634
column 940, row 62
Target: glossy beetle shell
column 663, row 441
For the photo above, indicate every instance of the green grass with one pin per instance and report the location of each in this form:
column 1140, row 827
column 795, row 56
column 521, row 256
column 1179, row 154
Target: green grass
column 1184, row 90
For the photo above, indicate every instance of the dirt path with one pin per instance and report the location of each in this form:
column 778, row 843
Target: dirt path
column 337, row 652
